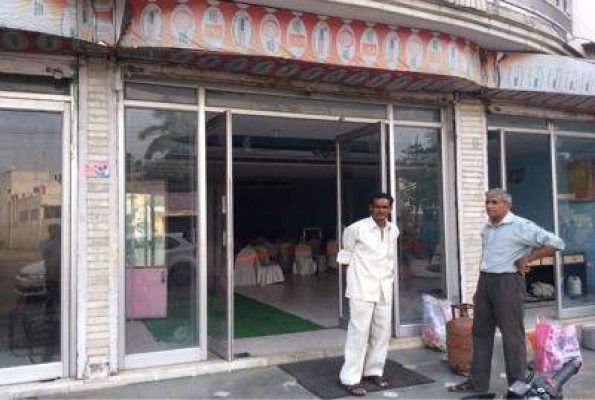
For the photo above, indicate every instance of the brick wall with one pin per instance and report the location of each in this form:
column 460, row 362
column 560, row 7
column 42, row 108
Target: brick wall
column 471, row 142
column 98, row 258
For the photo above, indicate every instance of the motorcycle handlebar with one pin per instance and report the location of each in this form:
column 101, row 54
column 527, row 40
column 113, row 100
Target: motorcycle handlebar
column 570, row 369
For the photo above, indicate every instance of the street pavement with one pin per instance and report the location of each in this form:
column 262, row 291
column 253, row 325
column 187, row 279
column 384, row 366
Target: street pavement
column 273, row 383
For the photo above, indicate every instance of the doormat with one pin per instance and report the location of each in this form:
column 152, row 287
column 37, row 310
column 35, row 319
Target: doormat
column 321, row 377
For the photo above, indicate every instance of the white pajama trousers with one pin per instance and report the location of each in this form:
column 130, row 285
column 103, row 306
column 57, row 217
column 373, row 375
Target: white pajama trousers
column 368, row 336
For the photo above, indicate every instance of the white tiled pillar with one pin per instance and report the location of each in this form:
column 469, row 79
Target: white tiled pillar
column 471, row 170
column 97, row 301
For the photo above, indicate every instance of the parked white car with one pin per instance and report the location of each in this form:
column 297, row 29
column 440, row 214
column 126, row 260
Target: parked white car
column 178, row 254
column 30, row 280
column 171, row 250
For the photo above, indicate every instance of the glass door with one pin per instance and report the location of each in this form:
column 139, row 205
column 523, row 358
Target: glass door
column 360, row 173
column 419, row 151
column 575, row 184
column 34, row 240
column 220, row 251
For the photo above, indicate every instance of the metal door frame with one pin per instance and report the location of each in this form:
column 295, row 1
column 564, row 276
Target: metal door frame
column 568, row 312
column 64, row 367
column 226, row 204
column 188, row 354
column 447, row 156
column 339, row 141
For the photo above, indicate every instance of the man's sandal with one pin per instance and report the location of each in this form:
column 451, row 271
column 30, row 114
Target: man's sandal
column 356, row 390
column 379, row 381
column 465, row 386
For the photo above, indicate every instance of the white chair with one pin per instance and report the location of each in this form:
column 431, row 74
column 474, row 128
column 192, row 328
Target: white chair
column 285, row 255
column 267, row 272
column 246, row 266
column 332, row 249
column 303, row 264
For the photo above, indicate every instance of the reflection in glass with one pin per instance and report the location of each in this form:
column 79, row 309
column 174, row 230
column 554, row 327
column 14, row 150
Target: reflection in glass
column 494, row 159
column 422, row 267
column 161, row 196
column 360, row 178
column 30, row 237
column 529, row 182
column 218, row 276
column 575, row 159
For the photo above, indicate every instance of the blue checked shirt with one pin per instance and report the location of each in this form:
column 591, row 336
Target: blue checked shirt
column 510, row 240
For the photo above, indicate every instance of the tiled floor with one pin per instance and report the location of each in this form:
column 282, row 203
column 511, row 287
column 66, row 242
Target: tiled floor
column 291, row 342
column 273, row 383
column 315, row 298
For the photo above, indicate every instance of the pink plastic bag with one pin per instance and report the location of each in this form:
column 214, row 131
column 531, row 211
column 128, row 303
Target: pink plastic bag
column 555, row 345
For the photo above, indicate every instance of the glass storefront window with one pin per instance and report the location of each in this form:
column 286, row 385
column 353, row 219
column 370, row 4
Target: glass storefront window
column 529, row 182
column 34, row 84
column 160, row 93
column 30, row 237
column 422, row 260
column 494, row 160
column 161, row 231
column 516, row 121
column 250, row 101
column 575, row 126
column 417, row 114
column 575, row 158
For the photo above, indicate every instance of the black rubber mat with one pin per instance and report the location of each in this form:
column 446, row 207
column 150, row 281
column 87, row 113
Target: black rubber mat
column 321, row 377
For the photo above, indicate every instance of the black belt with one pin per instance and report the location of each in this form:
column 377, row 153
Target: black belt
column 497, row 273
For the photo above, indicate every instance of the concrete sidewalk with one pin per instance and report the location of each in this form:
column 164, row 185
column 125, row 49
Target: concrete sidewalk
column 273, row 383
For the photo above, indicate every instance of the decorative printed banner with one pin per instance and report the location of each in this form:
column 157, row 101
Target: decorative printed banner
column 57, row 18
column 227, row 28
column 542, row 73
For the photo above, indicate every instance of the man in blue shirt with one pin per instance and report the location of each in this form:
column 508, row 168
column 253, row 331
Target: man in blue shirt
column 510, row 243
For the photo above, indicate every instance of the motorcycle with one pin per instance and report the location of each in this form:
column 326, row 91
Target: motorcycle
column 544, row 388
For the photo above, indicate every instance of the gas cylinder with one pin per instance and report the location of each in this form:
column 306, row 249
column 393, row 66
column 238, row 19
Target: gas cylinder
column 459, row 339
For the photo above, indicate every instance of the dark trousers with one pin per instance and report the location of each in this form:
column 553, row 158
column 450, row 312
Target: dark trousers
column 499, row 302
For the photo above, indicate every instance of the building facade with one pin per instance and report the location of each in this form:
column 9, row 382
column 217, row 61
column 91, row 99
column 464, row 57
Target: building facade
column 175, row 175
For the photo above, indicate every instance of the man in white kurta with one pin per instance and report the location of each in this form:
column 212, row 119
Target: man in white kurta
column 368, row 251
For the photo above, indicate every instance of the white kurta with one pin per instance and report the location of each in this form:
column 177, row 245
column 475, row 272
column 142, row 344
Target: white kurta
column 369, row 253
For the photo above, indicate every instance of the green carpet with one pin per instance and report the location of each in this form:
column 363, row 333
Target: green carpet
column 252, row 319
